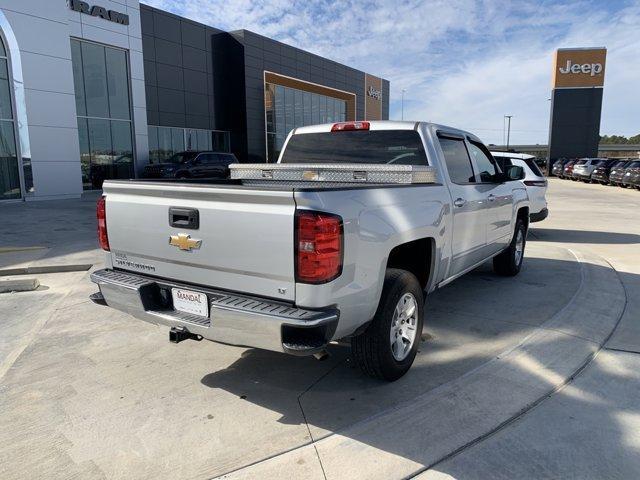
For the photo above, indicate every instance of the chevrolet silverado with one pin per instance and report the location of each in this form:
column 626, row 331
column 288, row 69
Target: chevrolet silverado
column 342, row 239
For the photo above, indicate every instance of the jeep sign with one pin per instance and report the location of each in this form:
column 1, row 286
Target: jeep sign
column 590, row 68
column 97, row 11
column 579, row 67
column 374, row 93
column 373, row 97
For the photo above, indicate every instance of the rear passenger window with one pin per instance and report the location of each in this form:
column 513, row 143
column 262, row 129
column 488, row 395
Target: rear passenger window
column 207, row 159
column 457, row 160
column 503, row 162
column 224, row 159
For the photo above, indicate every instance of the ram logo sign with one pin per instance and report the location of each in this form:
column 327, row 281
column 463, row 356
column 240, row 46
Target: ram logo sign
column 97, row 11
column 579, row 67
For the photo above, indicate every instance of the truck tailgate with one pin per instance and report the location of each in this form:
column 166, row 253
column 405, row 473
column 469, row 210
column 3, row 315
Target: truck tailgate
column 246, row 235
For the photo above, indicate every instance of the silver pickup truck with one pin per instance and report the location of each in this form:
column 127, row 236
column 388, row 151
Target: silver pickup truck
column 341, row 239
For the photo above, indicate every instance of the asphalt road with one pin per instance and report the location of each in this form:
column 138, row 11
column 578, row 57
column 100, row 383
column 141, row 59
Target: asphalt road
column 86, row 392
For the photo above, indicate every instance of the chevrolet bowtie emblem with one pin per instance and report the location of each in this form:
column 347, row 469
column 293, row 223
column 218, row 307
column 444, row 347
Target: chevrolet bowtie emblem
column 184, row 241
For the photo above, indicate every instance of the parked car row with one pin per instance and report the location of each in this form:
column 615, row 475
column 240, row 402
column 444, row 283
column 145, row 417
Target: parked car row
column 623, row 172
column 192, row 165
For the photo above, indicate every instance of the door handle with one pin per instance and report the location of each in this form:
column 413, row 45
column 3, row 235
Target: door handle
column 491, row 197
column 459, row 202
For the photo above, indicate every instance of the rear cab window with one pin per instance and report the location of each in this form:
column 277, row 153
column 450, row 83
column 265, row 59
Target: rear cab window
column 382, row 147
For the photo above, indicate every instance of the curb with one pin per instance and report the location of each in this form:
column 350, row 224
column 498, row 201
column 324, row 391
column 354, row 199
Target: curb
column 19, row 249
column 83, row 267
column 19, row 285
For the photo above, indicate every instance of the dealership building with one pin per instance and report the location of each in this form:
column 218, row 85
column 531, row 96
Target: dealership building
column 90, row 91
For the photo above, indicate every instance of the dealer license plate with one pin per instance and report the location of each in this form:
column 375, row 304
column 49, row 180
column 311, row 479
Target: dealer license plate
column 188, row 301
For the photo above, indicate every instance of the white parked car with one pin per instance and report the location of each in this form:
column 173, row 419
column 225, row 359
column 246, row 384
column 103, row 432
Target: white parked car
column 534, row 180
column 584, row 167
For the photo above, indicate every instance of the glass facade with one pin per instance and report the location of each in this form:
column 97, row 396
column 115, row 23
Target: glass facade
column 288, row 108
column 164, row 142
column 101, row 80
column 9, row 169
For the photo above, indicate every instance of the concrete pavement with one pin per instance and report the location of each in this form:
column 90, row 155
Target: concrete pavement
column 52, row 233
column 92, row 393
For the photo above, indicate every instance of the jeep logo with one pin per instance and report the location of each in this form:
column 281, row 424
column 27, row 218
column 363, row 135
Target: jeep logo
column 96, row 11
column 592, row 69
column 374, row 93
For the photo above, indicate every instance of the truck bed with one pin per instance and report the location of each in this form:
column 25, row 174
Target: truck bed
column 245, row 230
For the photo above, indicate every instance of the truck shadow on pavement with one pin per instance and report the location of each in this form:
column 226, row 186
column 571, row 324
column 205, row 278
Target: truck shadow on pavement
column 468, row 323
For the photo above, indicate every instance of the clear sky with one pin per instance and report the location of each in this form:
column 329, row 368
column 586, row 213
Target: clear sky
column 464, row 63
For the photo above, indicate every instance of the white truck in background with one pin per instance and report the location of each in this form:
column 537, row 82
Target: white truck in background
column 342, row 239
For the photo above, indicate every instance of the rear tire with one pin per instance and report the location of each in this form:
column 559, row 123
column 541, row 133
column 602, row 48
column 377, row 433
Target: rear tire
column 509, row 262
column 388, row 347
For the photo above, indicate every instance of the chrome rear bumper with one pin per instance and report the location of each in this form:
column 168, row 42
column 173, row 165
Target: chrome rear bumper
column 234, row 319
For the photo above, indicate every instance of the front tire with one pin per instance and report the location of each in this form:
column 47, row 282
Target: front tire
column 388, row 347
column 509, row 262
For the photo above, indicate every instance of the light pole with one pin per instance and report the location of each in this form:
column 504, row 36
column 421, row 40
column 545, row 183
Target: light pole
column 402, row 105
column 504, row 130
column 508, row 117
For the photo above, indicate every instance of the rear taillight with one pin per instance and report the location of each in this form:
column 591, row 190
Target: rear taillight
column 101, row 214
column 348, row 126
column 535, row 183
column 318, row 246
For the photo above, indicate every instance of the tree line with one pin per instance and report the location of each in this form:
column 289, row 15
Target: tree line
column 619, row 139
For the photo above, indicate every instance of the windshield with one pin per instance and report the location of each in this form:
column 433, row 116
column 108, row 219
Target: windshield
column 181, row 157
column 395, row 147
